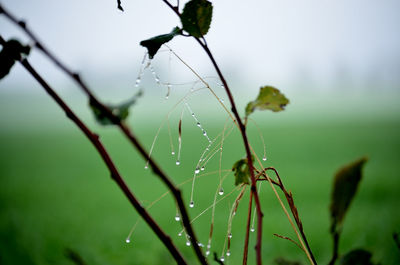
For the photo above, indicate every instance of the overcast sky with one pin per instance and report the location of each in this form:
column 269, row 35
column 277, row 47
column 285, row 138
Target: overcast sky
column 263, row 41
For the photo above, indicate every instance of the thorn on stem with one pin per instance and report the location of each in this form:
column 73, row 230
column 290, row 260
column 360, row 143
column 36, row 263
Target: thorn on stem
column 120, row 6
column 22, row 24
column 76, row 76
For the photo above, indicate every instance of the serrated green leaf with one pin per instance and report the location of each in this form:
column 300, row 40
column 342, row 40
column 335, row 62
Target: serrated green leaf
column 268, row 98
column 11, row 52
column 121, row 111
column 345, row 186
column 241, row 171
column 154, row 44
column 357, row 257
column 196, row 17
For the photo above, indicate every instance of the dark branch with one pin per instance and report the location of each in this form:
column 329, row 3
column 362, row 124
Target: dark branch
column 119, row 5
column 126, row 131
column 115, row 175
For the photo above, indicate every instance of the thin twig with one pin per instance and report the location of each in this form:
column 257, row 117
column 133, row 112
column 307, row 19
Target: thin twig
column 291, row 240
column 115, row 175
column 246, row 239
column 296, row 216
column 242, row 129
column 126, row 131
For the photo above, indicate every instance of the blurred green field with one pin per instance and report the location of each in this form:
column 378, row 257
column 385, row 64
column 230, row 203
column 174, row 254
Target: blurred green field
column 56, row 193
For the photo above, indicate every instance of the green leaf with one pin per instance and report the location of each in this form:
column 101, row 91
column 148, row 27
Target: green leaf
column 12, row 51
column 154, row 44
column 196, row 17
column 242, row 171
column 357, row 257
column 344, row 189
column 269, row 98
column 121, row 111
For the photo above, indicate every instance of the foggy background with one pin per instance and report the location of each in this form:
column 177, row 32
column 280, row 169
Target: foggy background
column 294, row 45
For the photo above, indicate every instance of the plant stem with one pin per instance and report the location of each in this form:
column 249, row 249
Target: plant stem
column 335, row 254
column 248, row 152
column 126, row 131
column 242, row 129
column 246, row 240
column 289, row 199
column 115, row 175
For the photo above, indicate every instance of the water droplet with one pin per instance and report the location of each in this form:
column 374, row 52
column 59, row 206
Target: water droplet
column 207, row 252
column 252, row 229
column 264, row 158
column 192, row 114
column 177, row 218
column 178, row 162
column 228, row 253
column 200, row 244
column 198, row 124
column 207, row 149
column 202, row 168
column 180, row 234
column 230, row 235
column 197, row 171
column 204, row 133
column 172, row 153
column 234, row 213
column 188, row 243
column 128, row 241
column 146, row 167
column 222, row 259
column 138, row 81
column 157, row 79
column 166, row 97
column 191, row 205
column 222, row 101
column 221, row 191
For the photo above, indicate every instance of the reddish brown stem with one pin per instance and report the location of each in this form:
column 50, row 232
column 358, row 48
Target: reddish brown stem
column 115, row 175
column 246, row 239
column 127, row 132
column 248, row 152
column 293, row 209
column 242, row 129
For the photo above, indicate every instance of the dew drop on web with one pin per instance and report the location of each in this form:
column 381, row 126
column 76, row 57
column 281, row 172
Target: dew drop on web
column 191, row 205
column 177, row 218
column 178, row 162
column 264, row 158
column 128, row 241
column 221, row 191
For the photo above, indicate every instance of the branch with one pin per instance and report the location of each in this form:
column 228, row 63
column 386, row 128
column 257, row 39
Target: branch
column 244, row 137
column 295, row 213
column 115, row 175
column 126, row 131
column 246, row 239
